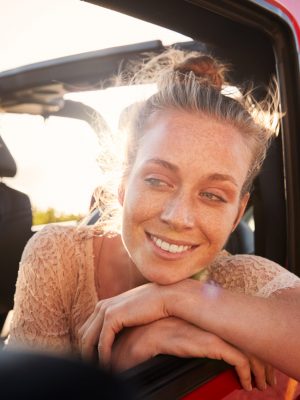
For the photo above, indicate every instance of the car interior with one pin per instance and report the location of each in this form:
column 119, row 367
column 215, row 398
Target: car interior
column 15, row 231
column 243, row 34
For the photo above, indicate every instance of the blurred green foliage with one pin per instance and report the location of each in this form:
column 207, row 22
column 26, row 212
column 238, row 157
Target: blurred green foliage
column 41, row 217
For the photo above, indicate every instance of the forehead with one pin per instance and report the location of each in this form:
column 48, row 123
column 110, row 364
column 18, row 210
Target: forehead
column 194, row 141
column 179, row 129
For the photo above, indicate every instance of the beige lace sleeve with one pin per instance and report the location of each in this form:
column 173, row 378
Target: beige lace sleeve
column 251, row 274
column 42, row 308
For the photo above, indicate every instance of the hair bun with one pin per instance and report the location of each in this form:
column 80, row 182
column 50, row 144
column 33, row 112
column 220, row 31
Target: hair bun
column 205, row 68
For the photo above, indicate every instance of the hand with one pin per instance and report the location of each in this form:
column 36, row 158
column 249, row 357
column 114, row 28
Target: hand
column 138, row 306
column 177, row 337
column 263, row 373
column 141, row 305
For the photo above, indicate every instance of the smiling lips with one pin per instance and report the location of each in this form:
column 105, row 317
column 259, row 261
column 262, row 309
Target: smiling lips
column 170, row 247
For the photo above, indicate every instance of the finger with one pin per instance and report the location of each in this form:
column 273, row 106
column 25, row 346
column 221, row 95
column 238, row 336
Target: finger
column 242, row 367
column 99, row 306
column 190, row 341
column 236, row 358
column 108, row 333
column 90, row 337
column 259, row 371
column 114, row 320
column 83, row 328
column 270, row 375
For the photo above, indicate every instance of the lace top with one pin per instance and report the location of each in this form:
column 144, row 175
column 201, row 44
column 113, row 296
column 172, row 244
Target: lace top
column 56, row 289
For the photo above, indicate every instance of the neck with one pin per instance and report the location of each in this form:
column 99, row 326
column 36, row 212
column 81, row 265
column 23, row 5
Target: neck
column 115, row 271
column 136, row 278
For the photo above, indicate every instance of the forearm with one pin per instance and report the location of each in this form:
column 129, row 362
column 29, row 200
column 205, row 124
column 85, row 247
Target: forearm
column 268, row 328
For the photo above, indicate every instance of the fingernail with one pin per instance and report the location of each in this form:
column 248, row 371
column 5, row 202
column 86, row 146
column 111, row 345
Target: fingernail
column 249, row 387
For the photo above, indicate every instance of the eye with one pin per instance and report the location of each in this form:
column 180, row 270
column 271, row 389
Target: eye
column 212, row 197
column 156, row 182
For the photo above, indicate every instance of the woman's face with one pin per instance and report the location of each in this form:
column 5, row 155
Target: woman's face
column 181, row 199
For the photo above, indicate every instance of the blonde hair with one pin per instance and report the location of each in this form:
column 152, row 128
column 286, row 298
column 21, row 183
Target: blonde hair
column 195, row 83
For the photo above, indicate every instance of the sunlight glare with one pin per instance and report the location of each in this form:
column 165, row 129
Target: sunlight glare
column 56, row 158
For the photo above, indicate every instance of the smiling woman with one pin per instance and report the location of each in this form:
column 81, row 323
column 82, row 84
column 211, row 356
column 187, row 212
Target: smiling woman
column 191, row 157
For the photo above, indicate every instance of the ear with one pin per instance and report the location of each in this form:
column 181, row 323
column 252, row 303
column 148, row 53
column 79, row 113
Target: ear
column 242, row 207
column 121, row 193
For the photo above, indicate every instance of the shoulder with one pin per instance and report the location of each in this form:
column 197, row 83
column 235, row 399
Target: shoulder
column 53, row 243
column 54, row 259
column 251, row 274
column 53, row 233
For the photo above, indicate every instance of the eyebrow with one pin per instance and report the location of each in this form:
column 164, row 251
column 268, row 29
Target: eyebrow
column 163, row 163
column 221, row 177
column 210, row 177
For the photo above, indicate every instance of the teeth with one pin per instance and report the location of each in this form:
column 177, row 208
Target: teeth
column 172, row 248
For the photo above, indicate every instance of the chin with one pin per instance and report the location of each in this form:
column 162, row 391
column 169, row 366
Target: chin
column 162, row 279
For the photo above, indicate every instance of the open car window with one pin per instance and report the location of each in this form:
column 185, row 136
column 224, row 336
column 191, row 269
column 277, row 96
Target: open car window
column 54, row 158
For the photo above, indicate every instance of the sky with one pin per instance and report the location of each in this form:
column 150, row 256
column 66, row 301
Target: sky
column 58, row 169
column 35, row 30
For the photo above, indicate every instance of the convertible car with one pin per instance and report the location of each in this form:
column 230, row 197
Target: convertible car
column 259, row 40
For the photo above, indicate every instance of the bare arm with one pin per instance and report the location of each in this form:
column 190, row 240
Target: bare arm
column 265, row 327
column 177, row 337
column 268, row 328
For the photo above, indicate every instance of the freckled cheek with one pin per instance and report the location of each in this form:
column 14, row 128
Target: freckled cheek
column 140, row 206
column 216, row 225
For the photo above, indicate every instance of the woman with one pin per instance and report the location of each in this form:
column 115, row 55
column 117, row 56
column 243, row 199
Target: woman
column 192, row 155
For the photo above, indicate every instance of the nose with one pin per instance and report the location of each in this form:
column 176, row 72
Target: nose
column 179, row 213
